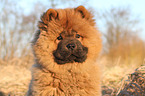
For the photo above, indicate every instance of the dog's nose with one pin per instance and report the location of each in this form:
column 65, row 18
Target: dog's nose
column 71, row 46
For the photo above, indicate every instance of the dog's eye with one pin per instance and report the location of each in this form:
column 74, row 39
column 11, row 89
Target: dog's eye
column 78, row 36
column 59, row 37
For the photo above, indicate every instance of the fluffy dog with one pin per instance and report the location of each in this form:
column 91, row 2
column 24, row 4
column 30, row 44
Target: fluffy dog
column 65, row 48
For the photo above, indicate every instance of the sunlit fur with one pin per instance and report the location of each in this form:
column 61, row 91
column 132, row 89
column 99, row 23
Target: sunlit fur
column 70, row 79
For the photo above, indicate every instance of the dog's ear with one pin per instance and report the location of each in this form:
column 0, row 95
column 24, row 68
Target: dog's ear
column 85, row 14
column 46, row 17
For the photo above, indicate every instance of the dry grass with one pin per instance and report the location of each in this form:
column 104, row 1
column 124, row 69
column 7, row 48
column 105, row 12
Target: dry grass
column 115, row 71
column 15, row 75
column 122, row 60
column 135, row 84
column 14, row 80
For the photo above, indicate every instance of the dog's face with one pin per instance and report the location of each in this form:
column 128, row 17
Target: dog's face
column 70, row 48
column 66, row 36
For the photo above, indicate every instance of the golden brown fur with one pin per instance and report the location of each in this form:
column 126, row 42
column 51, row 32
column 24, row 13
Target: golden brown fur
column 70, row 79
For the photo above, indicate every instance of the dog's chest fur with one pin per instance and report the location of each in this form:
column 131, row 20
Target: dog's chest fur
column 66, row 83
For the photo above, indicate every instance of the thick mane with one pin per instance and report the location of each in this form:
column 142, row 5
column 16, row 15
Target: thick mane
column 66, row 66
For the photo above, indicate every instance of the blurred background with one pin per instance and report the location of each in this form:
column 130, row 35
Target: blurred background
column 121, row 23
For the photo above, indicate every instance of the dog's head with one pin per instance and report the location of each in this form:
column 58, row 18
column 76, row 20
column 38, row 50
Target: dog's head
column 66, row 36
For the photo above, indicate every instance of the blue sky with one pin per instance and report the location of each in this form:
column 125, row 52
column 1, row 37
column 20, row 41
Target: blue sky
column 137, row 7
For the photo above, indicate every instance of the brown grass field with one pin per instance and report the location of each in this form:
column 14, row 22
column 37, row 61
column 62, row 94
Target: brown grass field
column 15, row 74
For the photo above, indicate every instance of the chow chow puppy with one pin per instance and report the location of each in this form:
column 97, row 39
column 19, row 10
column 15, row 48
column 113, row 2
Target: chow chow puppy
column 65, row 49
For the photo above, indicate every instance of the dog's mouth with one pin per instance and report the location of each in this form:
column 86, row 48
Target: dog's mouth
column 70, row 57
column 70, row 52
